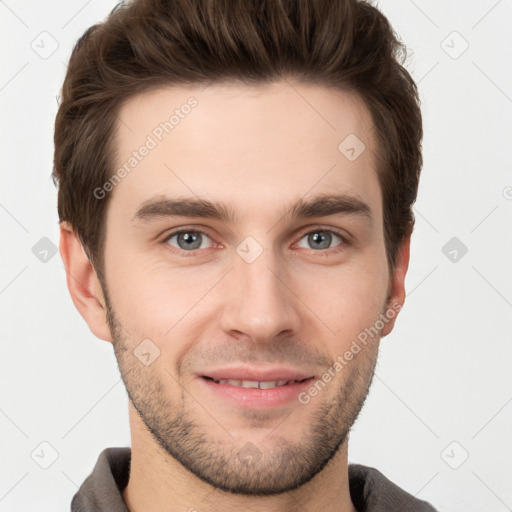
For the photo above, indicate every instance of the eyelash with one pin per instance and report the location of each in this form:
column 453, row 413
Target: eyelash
column 316, row 229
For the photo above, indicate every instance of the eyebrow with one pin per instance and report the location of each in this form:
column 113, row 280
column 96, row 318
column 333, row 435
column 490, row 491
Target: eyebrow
column 318, row 206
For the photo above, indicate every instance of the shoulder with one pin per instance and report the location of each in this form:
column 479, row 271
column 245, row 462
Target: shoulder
column 371, row 491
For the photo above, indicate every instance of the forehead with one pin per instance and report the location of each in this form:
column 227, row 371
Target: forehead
column 251, row 147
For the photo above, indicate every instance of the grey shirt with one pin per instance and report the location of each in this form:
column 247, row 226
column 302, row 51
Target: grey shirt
column 370, row 490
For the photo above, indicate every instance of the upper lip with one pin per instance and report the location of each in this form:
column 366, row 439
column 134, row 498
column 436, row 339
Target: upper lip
column 255, row 374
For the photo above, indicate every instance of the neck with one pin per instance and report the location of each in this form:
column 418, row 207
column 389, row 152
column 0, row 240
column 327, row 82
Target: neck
column 159, row 483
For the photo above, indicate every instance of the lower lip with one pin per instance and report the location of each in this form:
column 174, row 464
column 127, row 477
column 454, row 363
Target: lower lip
column 251, row 398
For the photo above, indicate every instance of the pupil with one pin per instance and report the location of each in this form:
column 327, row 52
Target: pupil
column 189, row 240
column 322, row 237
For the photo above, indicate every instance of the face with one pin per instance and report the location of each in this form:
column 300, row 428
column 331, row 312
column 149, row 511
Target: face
column 244, row 262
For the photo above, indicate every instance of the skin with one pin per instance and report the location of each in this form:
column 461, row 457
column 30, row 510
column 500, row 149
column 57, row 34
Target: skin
column 256, row 150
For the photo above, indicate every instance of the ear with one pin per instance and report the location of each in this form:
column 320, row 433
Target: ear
column 396, row 291
column 83, row 283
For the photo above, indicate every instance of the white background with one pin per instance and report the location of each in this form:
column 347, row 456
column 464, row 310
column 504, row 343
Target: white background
column 443, row 373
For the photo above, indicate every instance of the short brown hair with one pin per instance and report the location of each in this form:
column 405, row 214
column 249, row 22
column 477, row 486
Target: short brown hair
column 345, row 44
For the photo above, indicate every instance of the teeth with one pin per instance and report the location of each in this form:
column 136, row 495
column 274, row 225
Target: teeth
column 268, row 384
column 253, row 384
column 250, row 384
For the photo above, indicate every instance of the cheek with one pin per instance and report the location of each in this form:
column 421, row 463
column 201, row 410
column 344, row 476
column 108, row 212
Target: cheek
column 150, row 299
column 153, row 300
column 346, row 301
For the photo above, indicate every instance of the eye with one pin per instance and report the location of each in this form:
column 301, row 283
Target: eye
column 191, row 240
column 188, row 240
column 321, row 239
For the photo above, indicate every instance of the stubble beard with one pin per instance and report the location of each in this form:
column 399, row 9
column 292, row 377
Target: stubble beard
column 232, row 464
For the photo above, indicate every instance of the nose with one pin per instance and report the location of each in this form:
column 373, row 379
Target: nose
column 258, row 301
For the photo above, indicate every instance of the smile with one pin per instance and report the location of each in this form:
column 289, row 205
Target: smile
column 258, row 392
column 255, row 384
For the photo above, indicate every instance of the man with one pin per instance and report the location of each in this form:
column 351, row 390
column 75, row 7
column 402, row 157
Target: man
column 236, row 182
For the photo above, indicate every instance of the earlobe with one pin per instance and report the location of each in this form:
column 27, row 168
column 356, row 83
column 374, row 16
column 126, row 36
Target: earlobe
column 83, row 284
column 397, row 286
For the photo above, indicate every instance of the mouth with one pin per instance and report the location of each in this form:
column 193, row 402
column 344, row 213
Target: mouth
column 250, row 389
column 255, row 384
